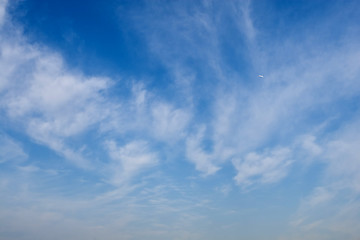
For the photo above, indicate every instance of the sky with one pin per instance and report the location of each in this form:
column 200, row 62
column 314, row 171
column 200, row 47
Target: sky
column 191, row 119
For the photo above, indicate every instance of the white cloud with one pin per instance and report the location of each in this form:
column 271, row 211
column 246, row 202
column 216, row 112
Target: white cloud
column 342, row 153
column 333, row 206
column 129, row 160
column 29, row 168
column 141, row 96
column 143, row 113
column 243, row 12
column 10, row 150
column 204, row 162
column 54, row 92
column 3, row 4
column 309, row 144
column 319, row 195
column 169, row 123
column 268, row 167
column 225, row 189
column 50, row 102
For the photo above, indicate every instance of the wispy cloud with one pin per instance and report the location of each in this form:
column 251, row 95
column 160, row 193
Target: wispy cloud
column 129, row 159
column 203, row 161
column 169, row 123
column 10, row 150
column 334, row 202
column 46, row 98
column 3, row 4
column 267, row 167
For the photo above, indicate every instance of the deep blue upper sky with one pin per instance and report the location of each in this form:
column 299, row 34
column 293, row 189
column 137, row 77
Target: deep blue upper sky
column 90, row 34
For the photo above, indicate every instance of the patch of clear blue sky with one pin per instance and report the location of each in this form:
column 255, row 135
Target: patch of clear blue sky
column 96, row 36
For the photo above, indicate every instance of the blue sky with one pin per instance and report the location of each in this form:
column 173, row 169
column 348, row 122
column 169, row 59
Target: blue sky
column 148, row 120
